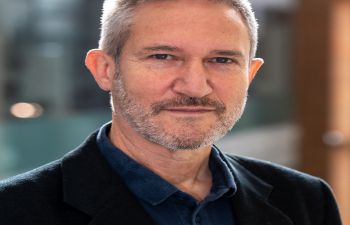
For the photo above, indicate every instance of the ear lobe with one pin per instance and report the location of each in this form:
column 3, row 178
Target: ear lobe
column 254, row 67
column 102, row 68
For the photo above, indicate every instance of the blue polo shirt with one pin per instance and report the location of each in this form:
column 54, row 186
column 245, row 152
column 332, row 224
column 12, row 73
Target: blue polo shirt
column 166, row 204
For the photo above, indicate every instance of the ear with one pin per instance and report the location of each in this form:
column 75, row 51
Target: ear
column 102, row 68
column 255, row 65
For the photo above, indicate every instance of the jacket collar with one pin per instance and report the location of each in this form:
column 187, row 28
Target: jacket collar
column 91, row 186
column 251, row 201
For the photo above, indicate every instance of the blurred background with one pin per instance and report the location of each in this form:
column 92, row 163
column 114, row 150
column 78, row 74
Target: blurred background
column 298, row 112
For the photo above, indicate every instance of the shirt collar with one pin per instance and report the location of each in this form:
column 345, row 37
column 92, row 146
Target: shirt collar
column 141, row 181
column 150, row 187
column 223, row 179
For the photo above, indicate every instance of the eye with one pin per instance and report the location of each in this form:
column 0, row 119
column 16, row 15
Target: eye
column 221, row 60
column 162, row 56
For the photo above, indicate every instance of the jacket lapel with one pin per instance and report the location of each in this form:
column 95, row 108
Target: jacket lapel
column 91, row 186
column 251, row 201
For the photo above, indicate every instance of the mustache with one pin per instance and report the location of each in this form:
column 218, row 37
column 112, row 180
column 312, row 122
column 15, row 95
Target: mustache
column 219, row 107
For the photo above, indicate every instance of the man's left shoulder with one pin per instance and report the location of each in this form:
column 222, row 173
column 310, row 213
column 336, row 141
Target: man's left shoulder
column 281, row 177
column 304, row 198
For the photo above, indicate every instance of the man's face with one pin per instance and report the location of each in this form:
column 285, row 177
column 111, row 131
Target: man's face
column 183, row 73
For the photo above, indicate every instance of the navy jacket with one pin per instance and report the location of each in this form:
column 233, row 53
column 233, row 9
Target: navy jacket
column 81, row 189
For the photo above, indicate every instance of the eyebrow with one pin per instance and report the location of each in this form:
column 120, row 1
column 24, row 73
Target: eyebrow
column 170, row 48
column 228, row 53
column 161, row 48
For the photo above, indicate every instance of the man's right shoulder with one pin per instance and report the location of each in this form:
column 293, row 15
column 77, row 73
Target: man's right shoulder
column 40, row 182
column 48, row 176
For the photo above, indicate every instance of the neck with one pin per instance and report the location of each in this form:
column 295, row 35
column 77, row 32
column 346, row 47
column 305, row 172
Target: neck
column 187, row 170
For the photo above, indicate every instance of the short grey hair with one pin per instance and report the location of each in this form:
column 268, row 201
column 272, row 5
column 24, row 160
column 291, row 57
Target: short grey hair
column 117, row 18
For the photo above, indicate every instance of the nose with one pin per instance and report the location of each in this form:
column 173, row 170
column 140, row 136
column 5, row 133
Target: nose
column 193, row 80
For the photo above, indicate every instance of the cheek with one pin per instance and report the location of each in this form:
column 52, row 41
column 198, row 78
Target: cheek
column 231, row 90
column 145, row 87
column 145, row 82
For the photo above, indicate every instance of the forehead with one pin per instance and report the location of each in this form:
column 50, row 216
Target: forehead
column 189, row 21
column 185, row 10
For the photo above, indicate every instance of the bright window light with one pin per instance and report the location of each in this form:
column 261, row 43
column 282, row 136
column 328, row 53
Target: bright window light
column 25, row 110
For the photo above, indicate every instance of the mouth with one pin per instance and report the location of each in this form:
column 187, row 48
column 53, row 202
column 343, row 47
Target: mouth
column 190, row 110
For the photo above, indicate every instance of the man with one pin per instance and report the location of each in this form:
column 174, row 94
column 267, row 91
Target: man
column 178, row 72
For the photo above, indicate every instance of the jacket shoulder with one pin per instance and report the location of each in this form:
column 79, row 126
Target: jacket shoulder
column 29, row 193
column 271, row 171
column 292, row 189
column 36, row 197
column 35, row 181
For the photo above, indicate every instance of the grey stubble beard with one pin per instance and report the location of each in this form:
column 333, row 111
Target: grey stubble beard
column 144, row 120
